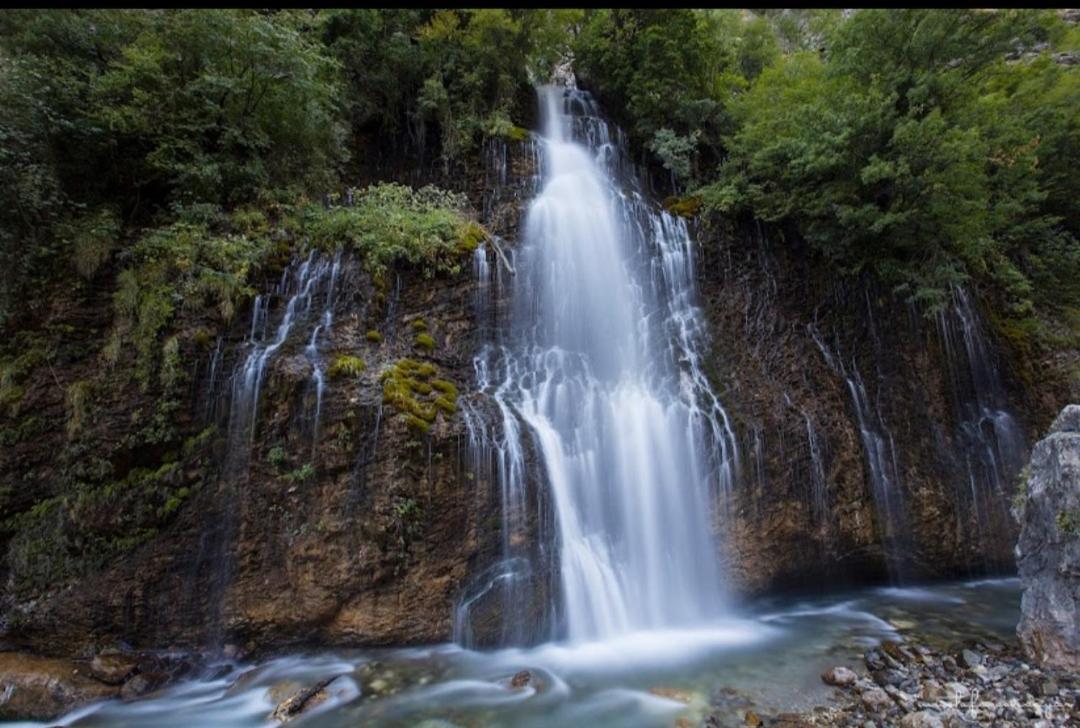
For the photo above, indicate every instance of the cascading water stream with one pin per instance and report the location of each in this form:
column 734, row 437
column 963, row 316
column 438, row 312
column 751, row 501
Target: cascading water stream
column 990, row 442
column 602, row 371
column 880, row 449
column 301, row 284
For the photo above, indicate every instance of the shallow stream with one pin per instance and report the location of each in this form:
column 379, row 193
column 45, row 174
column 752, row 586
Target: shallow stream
column 769, row 659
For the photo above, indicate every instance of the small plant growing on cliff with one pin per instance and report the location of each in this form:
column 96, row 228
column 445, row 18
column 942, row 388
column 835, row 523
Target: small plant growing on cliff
column 1020, row 497
column 409, row 518
column 303, row 474
column 346, row 366
column 419, row 325
column 425, row 342
column 78, row 405
column 277, row 457
column 374, row 336
column 1068, row 522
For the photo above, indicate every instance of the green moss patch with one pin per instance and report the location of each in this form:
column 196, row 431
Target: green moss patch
column 413, row 390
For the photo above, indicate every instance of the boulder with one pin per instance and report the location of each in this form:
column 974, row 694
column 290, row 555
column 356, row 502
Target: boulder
column 113, row 668
column 143, row 683
column 39, row 688
column 839, row 676
column 302, row 701
column 877, row 700
column 1048, row 551
column 971, row 659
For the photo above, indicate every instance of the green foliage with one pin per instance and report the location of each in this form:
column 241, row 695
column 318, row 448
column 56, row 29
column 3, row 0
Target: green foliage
column 908, row 152
column 109, row 115
column 374, row 336
column 667, row 74
column 186, row 264
column 195, row 443
column 675, row 151
column 392, row 223
column 425, row 342
column 461, row 74
column 345, row 366
column 80, row 532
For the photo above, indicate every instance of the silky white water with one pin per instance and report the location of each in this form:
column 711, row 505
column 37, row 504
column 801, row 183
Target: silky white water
column 602, row 370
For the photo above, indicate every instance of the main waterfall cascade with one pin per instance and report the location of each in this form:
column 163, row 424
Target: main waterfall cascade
column 599, row 374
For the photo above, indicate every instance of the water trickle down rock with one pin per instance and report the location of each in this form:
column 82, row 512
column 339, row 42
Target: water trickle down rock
column 1048, row 552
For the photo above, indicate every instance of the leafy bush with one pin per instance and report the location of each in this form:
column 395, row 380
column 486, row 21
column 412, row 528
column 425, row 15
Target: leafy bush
column 391, row 223
column 185, row 264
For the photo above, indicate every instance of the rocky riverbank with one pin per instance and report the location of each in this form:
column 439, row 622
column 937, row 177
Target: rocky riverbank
column 42, row 688
column 913, row 686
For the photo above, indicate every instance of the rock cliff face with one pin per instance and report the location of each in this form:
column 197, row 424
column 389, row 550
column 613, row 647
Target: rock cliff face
column 868, row 436
column 874, row 442
column 1048, row 552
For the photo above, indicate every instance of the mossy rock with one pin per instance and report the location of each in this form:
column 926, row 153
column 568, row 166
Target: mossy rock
column 447, row 388
column 687, row 207
column 410, row 388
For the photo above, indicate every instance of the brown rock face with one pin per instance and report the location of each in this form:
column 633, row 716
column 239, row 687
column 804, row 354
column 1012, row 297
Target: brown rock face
column 371, row 532
column 37, row 688
column 790, row 344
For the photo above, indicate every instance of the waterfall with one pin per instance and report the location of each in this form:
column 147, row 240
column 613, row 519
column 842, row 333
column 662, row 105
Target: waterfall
column 990, row 443
column 600, row 375
column 300, row 284
column 880, row 449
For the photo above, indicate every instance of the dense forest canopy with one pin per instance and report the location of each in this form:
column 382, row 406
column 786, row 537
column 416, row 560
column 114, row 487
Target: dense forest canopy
column 928, row 148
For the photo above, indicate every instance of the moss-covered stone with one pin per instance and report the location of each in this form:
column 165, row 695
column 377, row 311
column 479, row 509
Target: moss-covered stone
column 412, row 389
column 688, row 207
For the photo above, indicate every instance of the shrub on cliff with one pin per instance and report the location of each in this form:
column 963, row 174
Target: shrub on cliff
column 391, row 223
